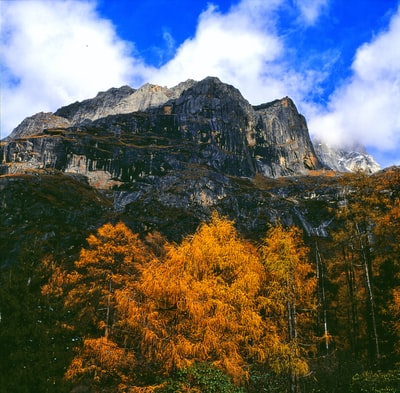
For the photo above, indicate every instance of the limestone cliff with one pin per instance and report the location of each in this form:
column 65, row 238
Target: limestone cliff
column 122, row 100
column 283, row 136
column 35, row 124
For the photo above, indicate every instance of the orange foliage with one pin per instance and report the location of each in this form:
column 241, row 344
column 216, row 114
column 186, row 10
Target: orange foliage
column 202, row 304
column 290, row 292
column 152, row 308
column 101, row 361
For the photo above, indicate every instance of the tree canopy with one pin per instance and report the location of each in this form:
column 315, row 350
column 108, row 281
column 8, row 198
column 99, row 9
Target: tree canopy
column 147, row 309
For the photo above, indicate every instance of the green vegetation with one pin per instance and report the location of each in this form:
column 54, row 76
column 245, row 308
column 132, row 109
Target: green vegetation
column 376, row 382
column 202, row 377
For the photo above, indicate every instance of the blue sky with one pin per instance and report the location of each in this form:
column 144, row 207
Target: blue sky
column 338, row 60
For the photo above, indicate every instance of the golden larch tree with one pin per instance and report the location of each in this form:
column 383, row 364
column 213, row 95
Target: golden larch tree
column 109, row 264
column 201, row 303
column 291, row 293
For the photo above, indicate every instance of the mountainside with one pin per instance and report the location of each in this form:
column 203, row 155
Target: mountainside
column 225, row 132
column 130, row 220
column 271, row 139
column 165, row 158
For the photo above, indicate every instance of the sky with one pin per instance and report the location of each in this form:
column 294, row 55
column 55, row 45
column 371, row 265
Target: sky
column 338, row 60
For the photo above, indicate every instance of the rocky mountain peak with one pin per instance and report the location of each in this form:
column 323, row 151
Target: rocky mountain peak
column 350, row 159
column 119, row 101
column 284, row 136
column 209, row 118
column 96, row 107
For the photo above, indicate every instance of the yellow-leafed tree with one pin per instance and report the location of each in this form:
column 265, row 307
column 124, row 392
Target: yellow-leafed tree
column 147, row 309
column 202, row 304
column 291, row 293
column 110, row 263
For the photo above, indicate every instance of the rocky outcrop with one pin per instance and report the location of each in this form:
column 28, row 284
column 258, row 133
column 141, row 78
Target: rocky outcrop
column 35, row 124
column 283, row 137
column 119, row 101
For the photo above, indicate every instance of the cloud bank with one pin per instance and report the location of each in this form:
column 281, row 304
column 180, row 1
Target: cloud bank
column 244, row 47
column 366, row 107
column 55, row 53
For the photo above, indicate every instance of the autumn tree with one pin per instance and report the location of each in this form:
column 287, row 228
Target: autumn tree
column 291, row 293
column 202, row 303
column 387, row 258
column 148, row 310
column 110, row 263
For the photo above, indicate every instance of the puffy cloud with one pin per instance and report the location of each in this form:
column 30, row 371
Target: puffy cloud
column 54, row 53
column 242, row 47
column 365, row 108
column 224, row 45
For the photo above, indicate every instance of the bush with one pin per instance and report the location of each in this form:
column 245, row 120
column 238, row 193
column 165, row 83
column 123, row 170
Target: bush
column 379, row 382
column 201, row 377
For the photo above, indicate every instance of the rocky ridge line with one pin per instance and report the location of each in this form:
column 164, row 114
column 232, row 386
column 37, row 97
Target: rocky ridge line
column 275, row 133
column 210, row 118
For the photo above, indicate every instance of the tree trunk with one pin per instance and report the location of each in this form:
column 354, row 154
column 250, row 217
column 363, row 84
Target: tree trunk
column 370, row 296
column 321, row 297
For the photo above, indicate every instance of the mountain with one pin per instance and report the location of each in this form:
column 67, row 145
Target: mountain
column 163, row 159
column 271, row 129
column 345, row 159
column 225, row 130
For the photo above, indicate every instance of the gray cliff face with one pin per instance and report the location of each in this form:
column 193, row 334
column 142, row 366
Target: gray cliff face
column 119, row 101
column 216, row 118
column 94, row 108
column 37, row 123
column 283, row 137
column 129, row 134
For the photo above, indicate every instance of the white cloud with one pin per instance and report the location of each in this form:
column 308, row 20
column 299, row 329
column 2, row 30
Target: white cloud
column 243, row 48
column 366, row 107
column 224, row 45
column 310, row 10
column 54, row 53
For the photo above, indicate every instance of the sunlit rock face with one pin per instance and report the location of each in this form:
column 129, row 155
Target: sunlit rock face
column 283, row 137
column 120, row 101
column 35, row 124
column 121, row 132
